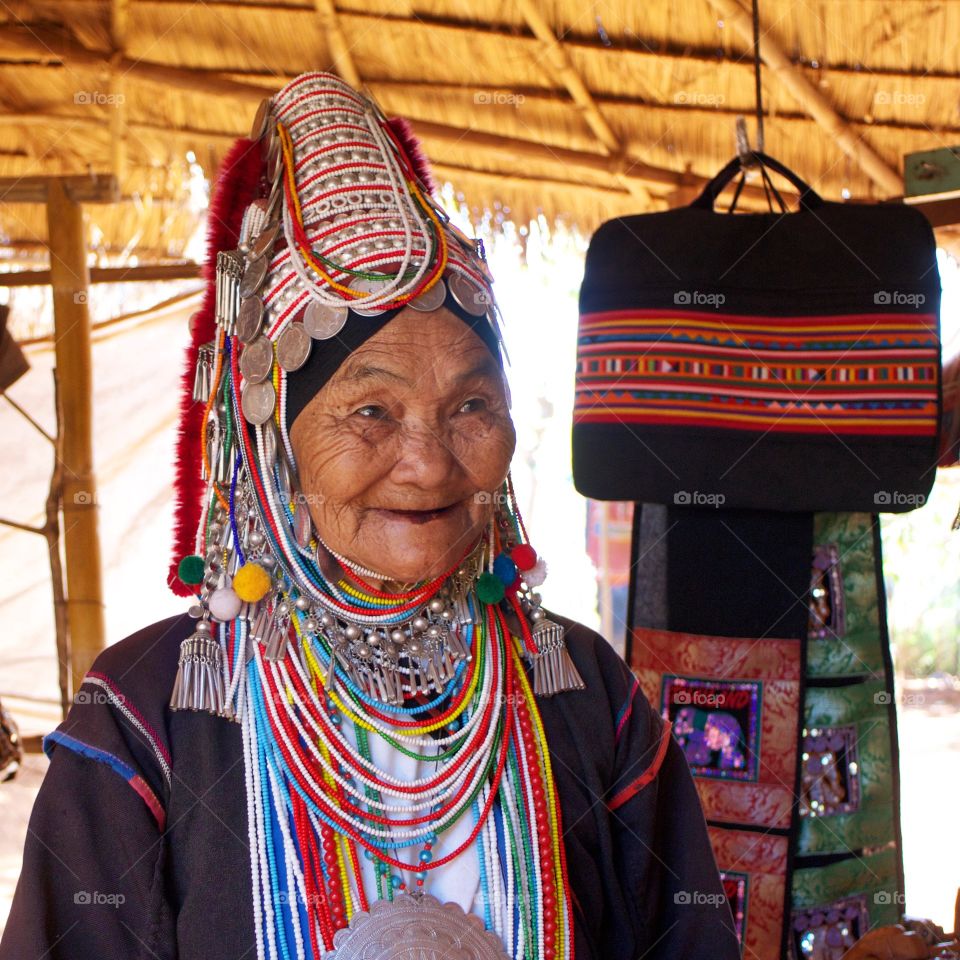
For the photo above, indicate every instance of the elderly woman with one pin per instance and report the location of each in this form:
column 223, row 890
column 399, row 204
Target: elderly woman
column 366, row 738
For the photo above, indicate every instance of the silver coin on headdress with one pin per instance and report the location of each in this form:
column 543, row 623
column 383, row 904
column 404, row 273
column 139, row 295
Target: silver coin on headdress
column 363, row 285
column 276, row 192
column 254, row 274
column 293, row 347
column 250, row 319
column 323, row 320
column 271, row 142
column 256, row 360
column 257, row 401
column 261, row 119
column 473, row 298
column 265, row 240
column 274, row 161
column 431, row 299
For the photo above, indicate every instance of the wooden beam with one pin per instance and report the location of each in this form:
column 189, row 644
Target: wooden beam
column 119, row 20
column 140, row 274
column 562, row 159
column 941, row 211
column 628, row 167
column 192, row 134
column 70, row 280
column 49, row 45
column 810, row 98
column 454, row 172
column 755, row 200
column 343, row 61
column 562, row 69
column 673, row 111
column 643, row 47
column 89, row 188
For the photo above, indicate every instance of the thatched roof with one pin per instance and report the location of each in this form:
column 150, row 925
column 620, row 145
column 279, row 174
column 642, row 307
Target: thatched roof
column 573, row 110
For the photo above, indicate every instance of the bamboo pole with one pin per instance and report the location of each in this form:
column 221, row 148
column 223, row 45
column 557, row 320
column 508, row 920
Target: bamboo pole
column 70, row 282
column 343, row 61
column 119, row 20
column 811, row 99
column 562, row 69
column 147, row 273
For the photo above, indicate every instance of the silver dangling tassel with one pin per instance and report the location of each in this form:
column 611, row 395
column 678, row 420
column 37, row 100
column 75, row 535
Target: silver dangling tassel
column 275, row 645
column 455, row 645
column 553, row 669
column 229, row 274
column 203, row 373
column 213, row 447
column 199, row 681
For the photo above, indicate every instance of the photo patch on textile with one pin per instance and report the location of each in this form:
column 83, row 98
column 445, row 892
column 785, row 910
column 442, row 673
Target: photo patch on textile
column 716, row 722
column 827, row 932
column 735, row 888
column 827, row 618
column 830, row 772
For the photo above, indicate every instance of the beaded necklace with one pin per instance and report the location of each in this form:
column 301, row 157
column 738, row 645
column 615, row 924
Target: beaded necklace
column 317, row 802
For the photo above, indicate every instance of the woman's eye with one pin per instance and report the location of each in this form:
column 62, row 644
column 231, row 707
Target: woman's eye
column 372, row 411
column 472, row 405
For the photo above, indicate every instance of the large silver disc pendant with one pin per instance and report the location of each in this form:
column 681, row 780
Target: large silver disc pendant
column 416, row 928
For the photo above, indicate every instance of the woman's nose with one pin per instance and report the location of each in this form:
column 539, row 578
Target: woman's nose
column 425, row 457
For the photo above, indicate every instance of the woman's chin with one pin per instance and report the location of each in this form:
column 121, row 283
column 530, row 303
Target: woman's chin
column 419, row 558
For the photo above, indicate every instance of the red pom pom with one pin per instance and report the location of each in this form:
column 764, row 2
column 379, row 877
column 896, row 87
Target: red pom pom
column 234, row 187
column 524, row 556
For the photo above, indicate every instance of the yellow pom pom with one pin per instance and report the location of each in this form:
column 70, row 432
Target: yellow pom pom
column 251, row 582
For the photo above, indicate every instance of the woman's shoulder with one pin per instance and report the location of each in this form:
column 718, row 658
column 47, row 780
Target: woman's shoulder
column 119, row 713
column 140, row 663
column 610, row 688
column 591, row 651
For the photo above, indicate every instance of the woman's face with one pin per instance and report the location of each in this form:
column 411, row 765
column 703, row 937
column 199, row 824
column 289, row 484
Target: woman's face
column 400, row 450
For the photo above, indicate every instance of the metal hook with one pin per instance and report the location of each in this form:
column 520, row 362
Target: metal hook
column 747, row 155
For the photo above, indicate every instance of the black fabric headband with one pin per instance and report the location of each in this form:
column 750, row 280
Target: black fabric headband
column 326, row 356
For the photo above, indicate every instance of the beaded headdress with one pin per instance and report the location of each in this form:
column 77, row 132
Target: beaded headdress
column 324, row 216
column 323, row 219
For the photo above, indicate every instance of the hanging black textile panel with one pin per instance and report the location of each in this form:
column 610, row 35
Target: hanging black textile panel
column 774, row 361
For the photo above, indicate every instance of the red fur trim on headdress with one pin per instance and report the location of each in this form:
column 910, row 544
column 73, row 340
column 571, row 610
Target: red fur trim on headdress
column 234, row 188
column 402, row 130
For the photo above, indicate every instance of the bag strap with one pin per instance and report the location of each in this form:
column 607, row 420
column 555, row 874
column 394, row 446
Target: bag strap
column 809, row 198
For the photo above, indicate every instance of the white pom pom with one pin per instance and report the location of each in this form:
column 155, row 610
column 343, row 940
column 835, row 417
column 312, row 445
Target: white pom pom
column 224, row 604
column 536, row 574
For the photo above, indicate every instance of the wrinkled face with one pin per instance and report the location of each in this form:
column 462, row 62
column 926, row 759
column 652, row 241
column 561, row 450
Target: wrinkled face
column 397, row 450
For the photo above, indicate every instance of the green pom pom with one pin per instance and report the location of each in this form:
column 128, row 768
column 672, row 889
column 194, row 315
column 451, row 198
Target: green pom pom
column 190, row 569
column 489, row 588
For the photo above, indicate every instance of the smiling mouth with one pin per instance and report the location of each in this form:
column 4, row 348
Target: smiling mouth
column 422, row 516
